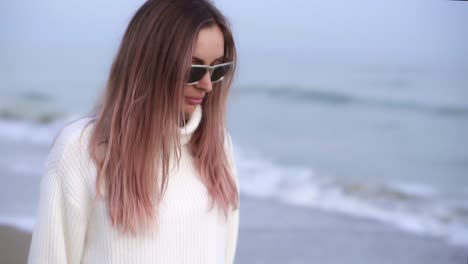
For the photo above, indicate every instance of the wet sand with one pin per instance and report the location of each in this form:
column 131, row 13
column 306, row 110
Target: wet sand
column 14, row 245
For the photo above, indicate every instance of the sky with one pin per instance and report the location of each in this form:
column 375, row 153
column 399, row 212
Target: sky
column 367, row 34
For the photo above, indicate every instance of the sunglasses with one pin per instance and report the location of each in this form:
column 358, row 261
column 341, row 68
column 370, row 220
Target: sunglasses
column 217, row 71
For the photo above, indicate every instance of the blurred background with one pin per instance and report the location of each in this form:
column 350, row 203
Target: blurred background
column 349, row 121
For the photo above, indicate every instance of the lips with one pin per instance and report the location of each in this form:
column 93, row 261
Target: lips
column 193, row 100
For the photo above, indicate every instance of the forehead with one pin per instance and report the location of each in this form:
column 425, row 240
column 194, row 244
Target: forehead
column 209, row 44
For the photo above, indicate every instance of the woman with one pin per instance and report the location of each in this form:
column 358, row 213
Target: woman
column 150, row 176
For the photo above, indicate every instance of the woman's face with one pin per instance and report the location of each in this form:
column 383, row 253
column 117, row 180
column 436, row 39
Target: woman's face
column 208, row 50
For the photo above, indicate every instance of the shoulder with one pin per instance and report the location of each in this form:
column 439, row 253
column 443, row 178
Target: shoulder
column 72, row 139
column 69, row 160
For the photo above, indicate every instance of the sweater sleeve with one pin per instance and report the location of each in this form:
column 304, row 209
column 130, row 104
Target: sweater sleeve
column 233, row 217
column 61, row 219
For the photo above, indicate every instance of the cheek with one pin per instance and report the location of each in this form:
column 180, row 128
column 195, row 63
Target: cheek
column 187, row 89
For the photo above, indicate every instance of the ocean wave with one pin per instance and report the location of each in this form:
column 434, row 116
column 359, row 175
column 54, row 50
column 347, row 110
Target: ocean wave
column 343, row 98
column 36, row 115
column 32, row 106
column 26, row 131
column 415, row 208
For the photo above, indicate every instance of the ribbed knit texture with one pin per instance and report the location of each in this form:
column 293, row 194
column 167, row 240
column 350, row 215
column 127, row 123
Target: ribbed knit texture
column 70, row 229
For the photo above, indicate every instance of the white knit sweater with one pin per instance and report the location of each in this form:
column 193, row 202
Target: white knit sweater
column 70, row 230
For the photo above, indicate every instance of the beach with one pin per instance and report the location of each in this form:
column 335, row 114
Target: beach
column 348, row 122
column 274, row 233
column 14, row 245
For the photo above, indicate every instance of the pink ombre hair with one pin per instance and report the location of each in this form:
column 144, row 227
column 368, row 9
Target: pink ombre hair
column 137, row 120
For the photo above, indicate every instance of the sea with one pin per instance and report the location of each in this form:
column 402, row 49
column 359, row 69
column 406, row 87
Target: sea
column 356, row 107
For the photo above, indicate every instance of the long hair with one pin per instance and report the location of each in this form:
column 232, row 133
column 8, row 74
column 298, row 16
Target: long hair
column 136, row 130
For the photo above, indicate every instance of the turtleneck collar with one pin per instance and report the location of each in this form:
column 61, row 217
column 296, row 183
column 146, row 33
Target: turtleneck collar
column 194, row 121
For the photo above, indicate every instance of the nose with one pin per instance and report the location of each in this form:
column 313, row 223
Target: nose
column 205, row 82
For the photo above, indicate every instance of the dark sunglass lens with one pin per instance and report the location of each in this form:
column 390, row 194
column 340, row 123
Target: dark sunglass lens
column 219, row 73
column 196, row 73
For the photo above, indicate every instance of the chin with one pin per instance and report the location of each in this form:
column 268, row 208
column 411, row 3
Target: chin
column 188, row 109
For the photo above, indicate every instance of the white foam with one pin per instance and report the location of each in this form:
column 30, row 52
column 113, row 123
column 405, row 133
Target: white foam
column 302, row 187
column 23, row 223
column 27, row 132
column 30, row 132
column 418, row 189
